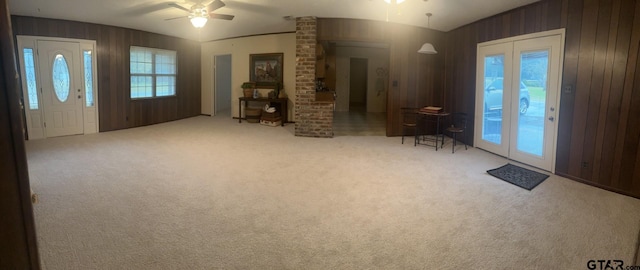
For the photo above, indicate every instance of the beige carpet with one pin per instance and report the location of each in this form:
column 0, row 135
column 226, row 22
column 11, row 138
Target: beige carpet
column 209, row 193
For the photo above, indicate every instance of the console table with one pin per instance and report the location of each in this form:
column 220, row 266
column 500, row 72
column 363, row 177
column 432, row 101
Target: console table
column 282, row 106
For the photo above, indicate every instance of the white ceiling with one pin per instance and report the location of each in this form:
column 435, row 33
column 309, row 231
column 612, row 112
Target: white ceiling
column 260, row 16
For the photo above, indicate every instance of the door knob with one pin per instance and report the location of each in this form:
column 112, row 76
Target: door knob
column 79, row 96
column 551, row 118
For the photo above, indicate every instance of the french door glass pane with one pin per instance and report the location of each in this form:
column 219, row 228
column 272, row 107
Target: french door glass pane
column 493, row 91
column 534, row 68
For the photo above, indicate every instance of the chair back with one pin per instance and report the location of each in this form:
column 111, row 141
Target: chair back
column 409, row 115
column 459, row 120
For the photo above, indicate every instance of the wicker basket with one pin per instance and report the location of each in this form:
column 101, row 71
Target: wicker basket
column 252, row 114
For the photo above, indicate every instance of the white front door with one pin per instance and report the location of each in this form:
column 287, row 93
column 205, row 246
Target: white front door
column 61, row 84
column 517, row 97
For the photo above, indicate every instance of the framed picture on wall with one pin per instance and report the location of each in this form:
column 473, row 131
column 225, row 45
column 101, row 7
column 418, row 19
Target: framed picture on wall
column 266, row 69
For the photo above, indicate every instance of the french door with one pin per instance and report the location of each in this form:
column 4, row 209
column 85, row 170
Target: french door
column 517, row 86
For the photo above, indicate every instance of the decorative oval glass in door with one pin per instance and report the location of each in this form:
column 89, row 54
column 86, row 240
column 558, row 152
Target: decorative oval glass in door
column 60, row 78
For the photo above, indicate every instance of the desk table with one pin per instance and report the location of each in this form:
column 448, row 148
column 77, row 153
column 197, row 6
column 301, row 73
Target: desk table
column 423, row 117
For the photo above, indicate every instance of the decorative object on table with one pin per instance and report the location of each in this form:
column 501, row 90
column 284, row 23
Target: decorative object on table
column 269, row 109
column 266, row 69
column 247, row 89
column 282, row 94
column 519, row 176
column 431, row 109
column 256, row 93
column 270, row 117
column 272, row 94
column 277, row 89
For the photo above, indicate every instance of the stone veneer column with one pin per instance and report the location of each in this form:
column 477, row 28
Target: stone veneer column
column 313, row 119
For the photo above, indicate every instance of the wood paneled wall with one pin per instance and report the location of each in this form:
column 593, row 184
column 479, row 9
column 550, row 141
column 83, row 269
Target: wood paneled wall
column 117, row 110
column 17, row 225
column 599, row 120
column 414, row 79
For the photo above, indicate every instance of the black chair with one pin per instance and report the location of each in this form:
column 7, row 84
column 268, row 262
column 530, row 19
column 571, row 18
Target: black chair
column 458, row 126
column 409, row 122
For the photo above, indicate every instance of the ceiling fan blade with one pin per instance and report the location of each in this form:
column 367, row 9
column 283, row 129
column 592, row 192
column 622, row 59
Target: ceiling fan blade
column 221, row 16
column 181, row 17
column 216, row 5
column 179, row 7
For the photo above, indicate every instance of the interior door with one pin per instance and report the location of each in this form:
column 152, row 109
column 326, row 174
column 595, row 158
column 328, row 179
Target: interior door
column 517, row 86
column 60, row 79
column 222, row 85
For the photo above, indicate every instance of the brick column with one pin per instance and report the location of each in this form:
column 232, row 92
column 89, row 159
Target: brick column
column 313, row 119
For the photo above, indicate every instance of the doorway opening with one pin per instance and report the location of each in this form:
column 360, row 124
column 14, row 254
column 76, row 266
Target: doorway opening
column 361, row 84
column 222, row 85
column 358, row 84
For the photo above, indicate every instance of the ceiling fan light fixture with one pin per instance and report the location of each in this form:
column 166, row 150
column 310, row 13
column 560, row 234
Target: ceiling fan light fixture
column 394, row 1
column 198, row 21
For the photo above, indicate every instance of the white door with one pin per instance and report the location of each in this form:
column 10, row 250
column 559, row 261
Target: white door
column 61, row 84
column 536, row 66
column 517, row 98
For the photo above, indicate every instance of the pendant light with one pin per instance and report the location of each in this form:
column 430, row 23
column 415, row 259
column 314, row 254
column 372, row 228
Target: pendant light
column 427, row 48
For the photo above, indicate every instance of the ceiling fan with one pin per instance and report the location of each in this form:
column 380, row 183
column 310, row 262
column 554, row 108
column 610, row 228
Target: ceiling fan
column 199, row 13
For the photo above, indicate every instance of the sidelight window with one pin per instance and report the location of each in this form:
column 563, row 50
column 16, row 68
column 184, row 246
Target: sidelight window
column 30, row 70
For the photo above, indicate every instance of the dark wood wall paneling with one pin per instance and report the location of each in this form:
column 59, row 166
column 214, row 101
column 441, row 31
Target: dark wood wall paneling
column 419, row 77
column 117, row 110
column 17, row 226
column 599, row 119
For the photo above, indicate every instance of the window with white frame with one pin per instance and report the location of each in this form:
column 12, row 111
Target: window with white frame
column 153, row 72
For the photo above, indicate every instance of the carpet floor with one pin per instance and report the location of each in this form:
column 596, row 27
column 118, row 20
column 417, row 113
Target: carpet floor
column 209, row 193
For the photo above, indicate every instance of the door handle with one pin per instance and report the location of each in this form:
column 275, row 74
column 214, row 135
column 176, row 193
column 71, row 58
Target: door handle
column 79, row 96
column 551, row 118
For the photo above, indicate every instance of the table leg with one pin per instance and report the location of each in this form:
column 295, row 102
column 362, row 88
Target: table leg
column 437, row 130
column 283, row 111
column 239, row 111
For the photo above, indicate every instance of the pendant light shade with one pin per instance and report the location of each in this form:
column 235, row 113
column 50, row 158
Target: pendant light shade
column 427, row 48
column 394, row 1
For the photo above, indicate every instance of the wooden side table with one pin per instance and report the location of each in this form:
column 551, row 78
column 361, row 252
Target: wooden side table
column 282, row 106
